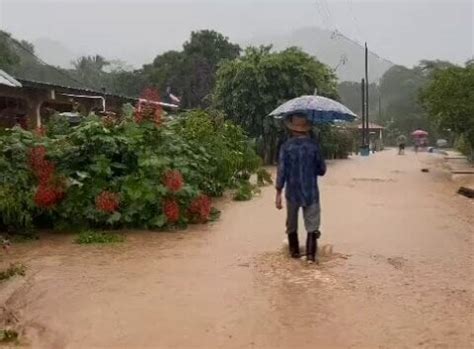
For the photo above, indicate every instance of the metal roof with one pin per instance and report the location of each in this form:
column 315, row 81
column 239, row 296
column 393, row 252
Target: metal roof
column 8, row 80
column 40, row 84
column 67, row 90
column 372, row 126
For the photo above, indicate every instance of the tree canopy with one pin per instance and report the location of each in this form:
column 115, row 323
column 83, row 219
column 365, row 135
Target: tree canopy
column 350, row 94
column 249, row 88
column 449, row 99
column 8, row 57
column 190, row 73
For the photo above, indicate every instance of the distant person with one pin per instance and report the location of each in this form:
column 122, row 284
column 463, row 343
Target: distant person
column 417, row 145
column 372, row 146
column 401, row 141
column 300, row 163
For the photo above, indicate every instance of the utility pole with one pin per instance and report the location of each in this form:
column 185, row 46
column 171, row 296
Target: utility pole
column 362, row 89
column 380, row 106
column 367, row 94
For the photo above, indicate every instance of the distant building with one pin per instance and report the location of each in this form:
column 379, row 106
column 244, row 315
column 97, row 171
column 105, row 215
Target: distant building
column 376, row 135
column 30, row 102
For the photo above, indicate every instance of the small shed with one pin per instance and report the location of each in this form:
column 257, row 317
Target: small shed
column 375, row 135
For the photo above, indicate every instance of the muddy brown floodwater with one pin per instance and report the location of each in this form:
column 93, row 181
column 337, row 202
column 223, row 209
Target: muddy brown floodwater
column 401, row 276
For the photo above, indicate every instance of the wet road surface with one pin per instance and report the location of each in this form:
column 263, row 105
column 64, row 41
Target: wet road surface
column 401, row 275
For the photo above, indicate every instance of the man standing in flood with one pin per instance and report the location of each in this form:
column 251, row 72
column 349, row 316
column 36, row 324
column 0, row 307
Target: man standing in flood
column 300, row 163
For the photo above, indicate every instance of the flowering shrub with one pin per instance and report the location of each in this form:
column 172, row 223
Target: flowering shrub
column 47, row 196
column 49, row 191
column 122, row 174
column 171, row 210
column 174, row 181
column 200, row 209
column 17, row 183
column 40, row 131
column 107, row 202
column 148, row 108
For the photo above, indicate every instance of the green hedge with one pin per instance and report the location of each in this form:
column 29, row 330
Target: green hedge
column 120, row 173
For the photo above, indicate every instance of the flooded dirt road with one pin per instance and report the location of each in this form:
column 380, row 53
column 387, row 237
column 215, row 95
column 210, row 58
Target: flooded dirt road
column 402, row 275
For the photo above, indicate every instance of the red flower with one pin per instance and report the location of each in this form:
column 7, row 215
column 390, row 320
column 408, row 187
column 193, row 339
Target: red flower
column 148, row 108
column 45, row 171
column 36, row 156
column 138, row 117
column 40, row 131
column 200, row 208
column 107, row 202
column 42, row 168
column 47, row 196
column 171, row 210
column 51, row 189
column 174, row 180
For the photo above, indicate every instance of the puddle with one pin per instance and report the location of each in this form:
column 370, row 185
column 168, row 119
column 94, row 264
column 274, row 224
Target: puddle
column 277, row 268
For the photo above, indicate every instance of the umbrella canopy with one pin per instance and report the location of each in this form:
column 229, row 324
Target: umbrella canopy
column 401, row 139
column 317, row 109
column 419, row 133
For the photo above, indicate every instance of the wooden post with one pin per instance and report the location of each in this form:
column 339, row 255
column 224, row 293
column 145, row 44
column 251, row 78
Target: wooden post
column 34, row 112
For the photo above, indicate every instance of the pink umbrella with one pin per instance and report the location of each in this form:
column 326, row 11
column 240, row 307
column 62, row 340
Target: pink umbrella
column 419, row 133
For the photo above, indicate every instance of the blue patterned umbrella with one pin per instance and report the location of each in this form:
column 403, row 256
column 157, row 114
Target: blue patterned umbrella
column 317, row 109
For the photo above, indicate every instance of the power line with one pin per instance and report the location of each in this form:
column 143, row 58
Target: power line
column 27, row 50
column 335, row 34
column 323, row 14
column 328, row 10
column 371, row 52
column 354, row 20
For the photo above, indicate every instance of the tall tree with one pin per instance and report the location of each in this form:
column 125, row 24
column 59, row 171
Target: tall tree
column 402, row 114
column 350, row 94
column 8, row 56
column 249, row 88
column 449, row 98
column 90, row 71
column 399, row 88
column 166, row 71
column 190, row 73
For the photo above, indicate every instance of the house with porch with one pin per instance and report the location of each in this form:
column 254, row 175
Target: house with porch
column 30, row 102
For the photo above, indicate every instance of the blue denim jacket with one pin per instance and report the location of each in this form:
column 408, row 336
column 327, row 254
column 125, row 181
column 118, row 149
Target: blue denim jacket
column 299, row 165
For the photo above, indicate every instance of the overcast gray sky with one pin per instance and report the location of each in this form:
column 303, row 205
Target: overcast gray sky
column 403, row 31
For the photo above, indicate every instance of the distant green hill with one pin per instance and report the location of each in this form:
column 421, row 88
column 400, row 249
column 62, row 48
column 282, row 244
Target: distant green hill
column 25, row 64
column 331, row 48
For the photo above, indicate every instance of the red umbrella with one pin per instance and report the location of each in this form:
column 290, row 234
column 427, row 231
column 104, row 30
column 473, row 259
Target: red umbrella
column 419, row 133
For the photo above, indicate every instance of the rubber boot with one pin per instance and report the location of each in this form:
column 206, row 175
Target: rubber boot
column 312, row 246
column 294, row 245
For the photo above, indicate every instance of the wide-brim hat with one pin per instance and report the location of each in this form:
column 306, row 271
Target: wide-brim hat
column 298, row 123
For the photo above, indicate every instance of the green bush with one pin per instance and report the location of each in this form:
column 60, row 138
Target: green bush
column 245, row 191
column 226, row 151
column 58, row 125
column 17, row 185
column 8, row 336
column 264, row 177
column 464, row 146
column 102, row 174
column 94, row 237
column 13, row 270
column 336, row 143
